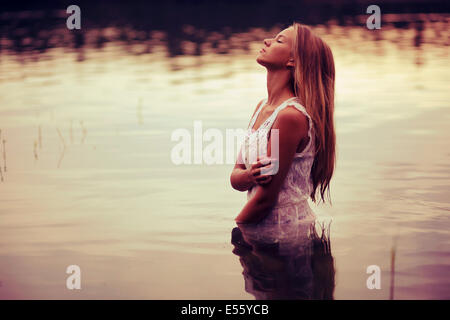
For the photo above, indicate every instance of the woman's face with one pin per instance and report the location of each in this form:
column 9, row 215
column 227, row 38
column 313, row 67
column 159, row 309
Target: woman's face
column 277, row 51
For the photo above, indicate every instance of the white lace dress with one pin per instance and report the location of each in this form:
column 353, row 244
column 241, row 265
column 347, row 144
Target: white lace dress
column 292, row 208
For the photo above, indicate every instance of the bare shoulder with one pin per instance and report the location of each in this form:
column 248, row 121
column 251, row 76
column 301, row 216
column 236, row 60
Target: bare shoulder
column 290, row 118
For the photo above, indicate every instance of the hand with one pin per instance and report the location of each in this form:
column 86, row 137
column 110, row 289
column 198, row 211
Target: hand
column 259, row 172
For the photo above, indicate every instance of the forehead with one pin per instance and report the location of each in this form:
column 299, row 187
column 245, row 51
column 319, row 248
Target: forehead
column 286, row 32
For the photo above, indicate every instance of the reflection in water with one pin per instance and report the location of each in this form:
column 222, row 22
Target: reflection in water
column 290, row 264
column 30, row 38
column 36, row 157
column 64, row 147
column 3, row 147
column 392, row 284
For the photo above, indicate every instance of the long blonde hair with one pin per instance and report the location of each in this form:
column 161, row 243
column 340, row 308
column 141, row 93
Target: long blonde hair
column 313, row 78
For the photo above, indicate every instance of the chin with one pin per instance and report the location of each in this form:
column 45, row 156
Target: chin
column 261, row 61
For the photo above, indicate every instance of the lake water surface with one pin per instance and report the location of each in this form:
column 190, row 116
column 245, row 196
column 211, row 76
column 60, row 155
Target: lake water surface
column 87, row 179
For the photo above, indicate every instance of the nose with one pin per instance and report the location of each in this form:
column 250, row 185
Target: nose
column 267, row 42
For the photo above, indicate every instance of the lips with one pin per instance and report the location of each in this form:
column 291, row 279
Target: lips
column 262, row 50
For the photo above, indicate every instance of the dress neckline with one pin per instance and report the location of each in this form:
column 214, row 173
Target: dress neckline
column 255, row 117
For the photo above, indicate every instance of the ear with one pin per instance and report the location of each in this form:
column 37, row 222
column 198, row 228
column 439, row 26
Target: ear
column 290, row 63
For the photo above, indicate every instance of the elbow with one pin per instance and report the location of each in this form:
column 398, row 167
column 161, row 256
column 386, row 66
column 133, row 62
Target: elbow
column 235, row 186
column 235, row 183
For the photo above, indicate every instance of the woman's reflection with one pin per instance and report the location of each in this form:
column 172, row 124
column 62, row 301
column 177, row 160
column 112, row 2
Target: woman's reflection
column 287, row 262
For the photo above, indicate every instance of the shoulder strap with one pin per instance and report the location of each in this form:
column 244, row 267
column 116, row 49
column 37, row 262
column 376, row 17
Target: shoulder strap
column 271, row 119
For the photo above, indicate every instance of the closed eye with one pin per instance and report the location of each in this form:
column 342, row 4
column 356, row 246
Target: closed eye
column 279, row 37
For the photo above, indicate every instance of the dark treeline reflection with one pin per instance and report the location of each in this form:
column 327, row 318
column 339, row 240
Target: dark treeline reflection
column 288, row 262
column 38, row 26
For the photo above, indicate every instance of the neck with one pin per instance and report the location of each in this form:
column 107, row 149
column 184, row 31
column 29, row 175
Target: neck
column 278, row 87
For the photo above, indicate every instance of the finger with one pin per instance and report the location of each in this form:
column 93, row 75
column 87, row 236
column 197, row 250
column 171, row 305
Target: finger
column 263, row 183
column 264, row 159
column 256, row 172
column 262, row 178
column 260, row 164
column 257, row 164
column 272, row 159
column 265, row 180
column 267, row 170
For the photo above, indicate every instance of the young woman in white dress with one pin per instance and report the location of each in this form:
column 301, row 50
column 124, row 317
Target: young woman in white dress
column 300, row 105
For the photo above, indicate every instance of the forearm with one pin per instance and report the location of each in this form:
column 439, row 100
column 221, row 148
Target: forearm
column 254, row 211
column 240, row 180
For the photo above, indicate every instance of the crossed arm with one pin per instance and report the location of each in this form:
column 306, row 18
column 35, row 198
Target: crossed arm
column 293, row 127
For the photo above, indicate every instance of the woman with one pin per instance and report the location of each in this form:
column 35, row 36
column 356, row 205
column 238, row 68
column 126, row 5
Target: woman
column 300, row 106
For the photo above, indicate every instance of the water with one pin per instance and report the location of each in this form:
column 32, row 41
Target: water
column 88, row 180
